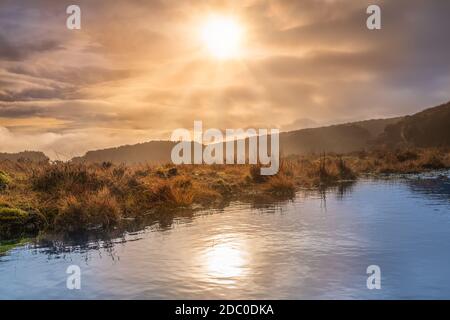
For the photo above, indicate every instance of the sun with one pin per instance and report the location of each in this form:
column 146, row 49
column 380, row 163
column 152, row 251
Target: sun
column 222, row 37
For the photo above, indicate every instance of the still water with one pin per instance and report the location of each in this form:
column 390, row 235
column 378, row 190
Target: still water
column 317, row 245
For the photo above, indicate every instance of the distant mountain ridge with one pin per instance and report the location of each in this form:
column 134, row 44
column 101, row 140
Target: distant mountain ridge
column 35, row 156
column 337, row 138
column 428, row 128
column 152, row 152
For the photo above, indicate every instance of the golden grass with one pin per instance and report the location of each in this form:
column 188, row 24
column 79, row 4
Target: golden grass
column 96, row 209
column 281, row 184
column 71, row 197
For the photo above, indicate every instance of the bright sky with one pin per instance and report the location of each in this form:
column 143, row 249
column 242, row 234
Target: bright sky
column 139, row 69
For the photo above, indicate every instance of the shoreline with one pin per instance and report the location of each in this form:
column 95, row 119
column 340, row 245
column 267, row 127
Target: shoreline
column 67, row 198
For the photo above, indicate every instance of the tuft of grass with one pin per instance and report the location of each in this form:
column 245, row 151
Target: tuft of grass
column 255, row 174
column 407, row 155
column 178, row 192
column 67, row 176
column 324, row 174
column 432, row 161
column 281, row 184
column 97, row 209
column 344, row 171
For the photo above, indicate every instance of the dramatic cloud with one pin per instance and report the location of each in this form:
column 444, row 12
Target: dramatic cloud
column 137, row 69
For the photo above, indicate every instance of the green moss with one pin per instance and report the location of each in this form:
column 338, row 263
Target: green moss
column 8, row 214
column 6, row 246
column 16, row 222
column 5, row 180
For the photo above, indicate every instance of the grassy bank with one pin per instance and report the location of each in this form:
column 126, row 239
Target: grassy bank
column 6, row 246
column 70, row 198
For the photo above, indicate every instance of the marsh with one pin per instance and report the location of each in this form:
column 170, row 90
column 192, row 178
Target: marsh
column 316, row 245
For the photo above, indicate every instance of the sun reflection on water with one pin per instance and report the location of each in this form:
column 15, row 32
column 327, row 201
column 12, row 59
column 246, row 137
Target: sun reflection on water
column 226, row 260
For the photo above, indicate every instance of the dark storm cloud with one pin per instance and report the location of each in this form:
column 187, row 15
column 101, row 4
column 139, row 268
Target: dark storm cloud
column 17, row 52
column 412, row 43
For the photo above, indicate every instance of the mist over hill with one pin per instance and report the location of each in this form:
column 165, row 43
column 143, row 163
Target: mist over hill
column 428, row 128
column 337, row 138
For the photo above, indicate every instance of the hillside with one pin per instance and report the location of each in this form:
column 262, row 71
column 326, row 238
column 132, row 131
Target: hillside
column 428, row 128
column 153, row 152
column 338, row 138
column 25, row 155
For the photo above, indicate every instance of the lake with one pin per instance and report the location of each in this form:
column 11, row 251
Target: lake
column 317, row 245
